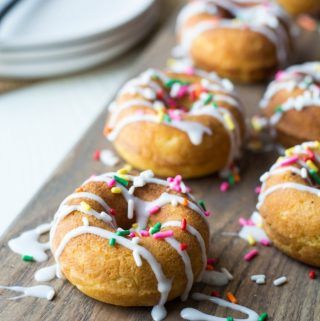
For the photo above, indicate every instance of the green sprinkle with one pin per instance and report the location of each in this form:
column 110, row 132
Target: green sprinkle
column 230, row 319
column 208, row 99
column 112, row 242
column 315, row 176
column 156, row 228
column 263, row 316
column 202, row 204
column 214, row 104
column 121, row 181
column 167, row 118
column 27, row 258
column 123, row 232
column 231, row 179
column 171, row 82
column 279, row 109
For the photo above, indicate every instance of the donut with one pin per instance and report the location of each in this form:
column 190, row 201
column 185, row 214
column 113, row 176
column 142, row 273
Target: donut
column 297, row 6
column 291, row 104
column 131, row 240
column 289, row 203
column 183, row 120
column 243, row 40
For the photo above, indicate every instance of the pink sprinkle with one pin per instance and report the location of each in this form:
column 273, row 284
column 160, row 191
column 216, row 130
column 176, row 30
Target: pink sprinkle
column 172, row 103
column 139, row 112
column 111, row 183
column 154, row 210
column 257, row 190
column 250, row 255
column 289, row 161
column 207, row 213
column 144, row 233
column 265, row 242
column 182, row 91
column 242, row 221
column 163, row 235
column 175, row 114
column 279, row 75
column 132, row 234
column 212, row 261
column 189, row 71
column 224, row 186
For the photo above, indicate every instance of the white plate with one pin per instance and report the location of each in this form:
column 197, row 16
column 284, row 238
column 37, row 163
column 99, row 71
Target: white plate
column 74, row 63
column 55, row 22
column 61, row 52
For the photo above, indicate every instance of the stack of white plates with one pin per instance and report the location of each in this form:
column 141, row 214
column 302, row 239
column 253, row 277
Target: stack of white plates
column 55, row 37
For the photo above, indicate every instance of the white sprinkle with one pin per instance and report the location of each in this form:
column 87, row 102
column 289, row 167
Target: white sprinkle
column 257, row 277
column 227, row 273
column 261, row 281
column 280, row 281
column 85, row 221
column 174, row 202
column 131, row 190
column 108, row 157
column 130, row 209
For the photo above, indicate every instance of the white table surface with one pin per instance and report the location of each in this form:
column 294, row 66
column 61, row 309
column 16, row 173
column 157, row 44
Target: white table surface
column 41, row 123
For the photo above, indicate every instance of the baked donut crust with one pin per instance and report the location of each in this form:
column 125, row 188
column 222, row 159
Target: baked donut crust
column 242, row 40
column 297, row 6
column 291, row 104
column 136, row 270
column 290, row 203
column 194, row 127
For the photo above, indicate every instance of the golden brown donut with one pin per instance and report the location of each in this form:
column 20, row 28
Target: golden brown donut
column 291, row 104
column 290, row 203
column 300, row 6
column 242, row 40
column 181, row 121
column 102, row 243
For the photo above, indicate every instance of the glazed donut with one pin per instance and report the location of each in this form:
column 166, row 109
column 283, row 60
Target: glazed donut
column 102, row 243
column 289, row 203
column 297, row 6
column 243, row 40
column 291, row 104
column 181, row 121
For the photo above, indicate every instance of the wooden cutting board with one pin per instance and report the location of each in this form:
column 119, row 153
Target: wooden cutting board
column 298, row 300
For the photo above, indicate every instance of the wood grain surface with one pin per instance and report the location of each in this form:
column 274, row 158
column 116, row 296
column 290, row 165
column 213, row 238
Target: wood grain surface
column 298, row 300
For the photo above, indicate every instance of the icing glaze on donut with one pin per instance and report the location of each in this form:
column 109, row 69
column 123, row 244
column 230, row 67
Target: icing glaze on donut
column 305, row 77
column 147, row 88
column 295, row 161
column 258, row 17
column 196, row 315
column 38, row 291
column 141, row 211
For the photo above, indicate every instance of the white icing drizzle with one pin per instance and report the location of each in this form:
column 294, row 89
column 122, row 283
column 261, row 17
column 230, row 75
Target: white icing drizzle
column 196, row 315
column 187, row 265
column 256, row 231
column 28, row 243
column 214, row 278
column 296, row 186
column 303, row 77
column 258, row 18
column 46, row 274
column 194, row 130
column 164, row 285
column 199, row 238
column 38, row 291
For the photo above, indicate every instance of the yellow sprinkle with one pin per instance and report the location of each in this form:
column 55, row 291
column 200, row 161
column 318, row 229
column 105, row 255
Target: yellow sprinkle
column 317, row 144
column 289, row 151
column 85, row 206
column 160, row 116
column 256, row 124
column 122, row 171
column 229, row 122
column 116, row 190
column 311, row 165
column 259, row 225
column 135, row 225
column 280, row 159
column 251, row 240
column 170, row 62
column 128, row 167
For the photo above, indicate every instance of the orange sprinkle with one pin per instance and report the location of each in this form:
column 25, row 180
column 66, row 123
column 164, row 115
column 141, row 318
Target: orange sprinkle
column 232, row 298
column 107, row 130
column 236, row 177
column 197, row 90
column 307, row 23
column 209, row 267
column 185, row 202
